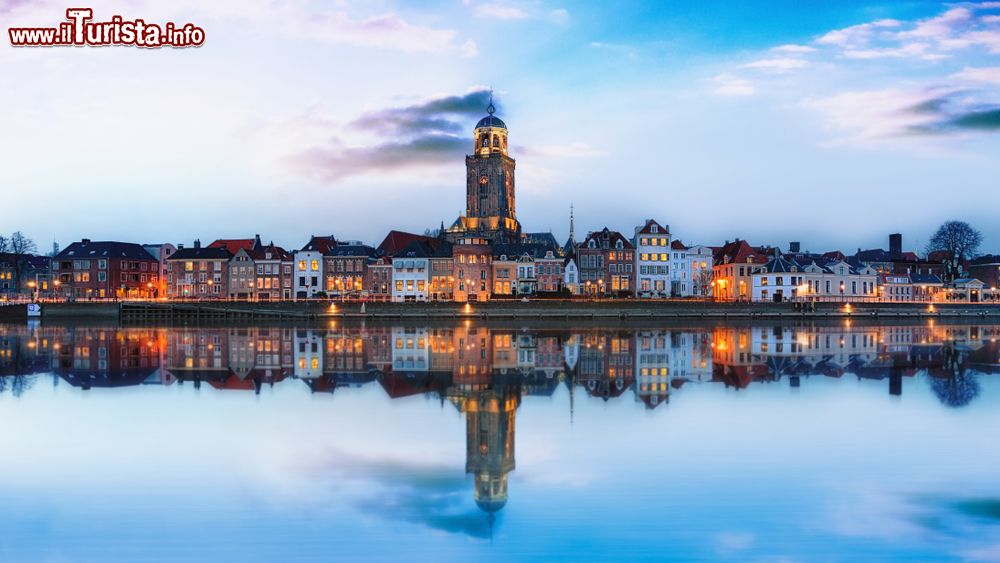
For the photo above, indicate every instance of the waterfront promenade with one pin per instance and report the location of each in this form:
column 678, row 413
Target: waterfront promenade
column 508, row 309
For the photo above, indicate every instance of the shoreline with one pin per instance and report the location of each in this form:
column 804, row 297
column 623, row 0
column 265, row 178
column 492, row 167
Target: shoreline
column 540, row 309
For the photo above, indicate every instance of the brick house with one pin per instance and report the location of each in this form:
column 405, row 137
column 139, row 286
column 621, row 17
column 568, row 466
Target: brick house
column 473, row 269
column 605, row 260
column 442, row 273
column 378, row 278
column 344, row 269
column 105, row 269
column 733, row 265
column 261, row 272
column 198, row 272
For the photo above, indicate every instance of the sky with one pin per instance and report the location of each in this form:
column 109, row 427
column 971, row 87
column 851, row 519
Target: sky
column 833, row 123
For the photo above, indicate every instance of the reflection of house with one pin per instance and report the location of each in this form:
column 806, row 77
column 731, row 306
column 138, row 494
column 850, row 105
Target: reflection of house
column 87, row 357
column 652, row 367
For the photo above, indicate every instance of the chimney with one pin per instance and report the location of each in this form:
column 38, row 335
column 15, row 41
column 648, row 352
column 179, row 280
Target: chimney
column 85, row 241
column 895, row 243
column 197, row 243
column 793, row 247
column 256, row 241
column 180, row 246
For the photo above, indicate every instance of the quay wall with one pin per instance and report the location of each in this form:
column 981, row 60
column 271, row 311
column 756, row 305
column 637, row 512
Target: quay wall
column 508, row 309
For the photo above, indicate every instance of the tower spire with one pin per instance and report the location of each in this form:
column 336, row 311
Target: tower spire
column 491, row 109
column 571, row 236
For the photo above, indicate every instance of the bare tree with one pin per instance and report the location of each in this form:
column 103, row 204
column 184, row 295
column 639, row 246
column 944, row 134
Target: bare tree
column 959, row 241
column 4, row 244
column 20, row 246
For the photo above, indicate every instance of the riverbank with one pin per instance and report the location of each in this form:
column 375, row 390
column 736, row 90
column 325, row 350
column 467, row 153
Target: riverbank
column 540, row 309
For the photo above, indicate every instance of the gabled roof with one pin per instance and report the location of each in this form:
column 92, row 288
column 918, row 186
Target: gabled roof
column 350, row 250
column 647, row 229
column 516, row 250
column 233, row 245
column 260, row 252
column 320, row 243
column 738, row 251
column 988, row 259
column 200, row 253
column 396, row 241
column 87, row 249
column 677, row 245
column 547, row 240
column 925, row 279
column 416, row 249
column 782, row 265
column 606, row 239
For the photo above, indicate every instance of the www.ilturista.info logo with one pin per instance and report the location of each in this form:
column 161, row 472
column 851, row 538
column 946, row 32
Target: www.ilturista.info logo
column 80, row 30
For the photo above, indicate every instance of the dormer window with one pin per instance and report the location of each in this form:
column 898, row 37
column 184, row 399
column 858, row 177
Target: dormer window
column 653, row 229
column 619, row 245
column 591, row 244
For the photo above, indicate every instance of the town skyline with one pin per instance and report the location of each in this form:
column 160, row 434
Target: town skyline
column 863, row 113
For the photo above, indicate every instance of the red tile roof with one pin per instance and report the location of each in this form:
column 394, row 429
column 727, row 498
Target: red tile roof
column 233, row 245
column 396, row 241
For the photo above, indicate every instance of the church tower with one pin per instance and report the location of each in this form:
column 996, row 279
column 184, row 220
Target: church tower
column 490, row 210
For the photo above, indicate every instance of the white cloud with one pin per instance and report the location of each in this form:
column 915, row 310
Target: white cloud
column 559, row 16
column 940, row 28
column 989, row 74
column 857, row 34
column 500, row 12
column 779, row 64
column 732, row 86
column 909, row 50
column 797, row 49
column 870, row 117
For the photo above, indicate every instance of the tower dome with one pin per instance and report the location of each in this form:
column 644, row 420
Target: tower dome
column 491, row 133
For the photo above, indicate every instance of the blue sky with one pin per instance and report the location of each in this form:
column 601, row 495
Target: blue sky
column 828, row 123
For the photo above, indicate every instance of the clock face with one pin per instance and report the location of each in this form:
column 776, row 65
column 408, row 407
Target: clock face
column 483, row 180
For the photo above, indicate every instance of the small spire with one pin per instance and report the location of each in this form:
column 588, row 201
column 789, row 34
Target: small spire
column 490, row 109
column 571, row 237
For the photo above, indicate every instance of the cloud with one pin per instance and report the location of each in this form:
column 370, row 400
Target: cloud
column 797, row 49
column 729, row 85
column 432, row 495
column 779, row 64
column 500, row 12
column 509, row 12
column 431, row 132
column 989, row 75
column 931, row 38
column 559, row 16
column 857, row 34
column 874, row 117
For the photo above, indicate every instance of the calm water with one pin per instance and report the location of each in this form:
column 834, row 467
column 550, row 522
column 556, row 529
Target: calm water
column 721, row 442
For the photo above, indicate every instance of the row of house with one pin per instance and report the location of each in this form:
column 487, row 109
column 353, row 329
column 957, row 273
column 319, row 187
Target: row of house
column 410, row 267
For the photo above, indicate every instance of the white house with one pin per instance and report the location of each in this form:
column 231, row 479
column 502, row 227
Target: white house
column 308, row 272
column 690, row 270
column 411, row 273
column 571, row 274
column 785, row 278
column 652, row 254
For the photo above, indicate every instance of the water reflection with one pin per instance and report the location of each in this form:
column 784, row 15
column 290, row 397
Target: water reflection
column 485, row 371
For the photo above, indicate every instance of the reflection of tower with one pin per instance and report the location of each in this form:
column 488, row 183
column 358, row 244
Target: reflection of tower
column 489, row 432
